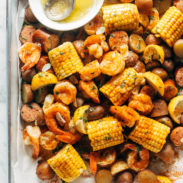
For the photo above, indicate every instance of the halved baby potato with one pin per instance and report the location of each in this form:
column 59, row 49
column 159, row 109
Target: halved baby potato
column 119, row 166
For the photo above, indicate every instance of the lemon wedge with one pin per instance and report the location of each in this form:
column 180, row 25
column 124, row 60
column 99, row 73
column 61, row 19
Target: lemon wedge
column 154, row 52
column 43, row 79
column 175, row 108
column 80, row 118
column 155, row 81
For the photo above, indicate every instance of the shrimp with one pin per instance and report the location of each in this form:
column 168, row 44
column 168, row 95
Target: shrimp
column 113, row 63
column 31, row 137
column 29, row 54
column 65, row 92
column 132, row 158
column 94, row 25
column 90, row 71
column 96, row 45
column 117, row 39
column 50, row 115
column 90, row 90
column 141, row 103
column 95, row 50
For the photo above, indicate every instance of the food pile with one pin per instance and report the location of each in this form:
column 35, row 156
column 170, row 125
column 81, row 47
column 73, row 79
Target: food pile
column 106, row 99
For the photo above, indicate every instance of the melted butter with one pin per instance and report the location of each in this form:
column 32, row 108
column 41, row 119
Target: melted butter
column 82, row 7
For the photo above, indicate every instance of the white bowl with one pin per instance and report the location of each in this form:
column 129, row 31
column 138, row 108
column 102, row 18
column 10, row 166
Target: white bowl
column 37, row 9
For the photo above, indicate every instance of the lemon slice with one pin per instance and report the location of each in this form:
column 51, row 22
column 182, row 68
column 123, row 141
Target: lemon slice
column 80, row 118
column 163, row 179
column 154, row 52
column 155, row 81
column 175, row 108
column 42, row 79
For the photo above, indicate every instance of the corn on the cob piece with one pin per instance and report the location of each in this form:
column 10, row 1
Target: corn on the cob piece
column 170, row 27
column 150, row 134
column 105, row 133
column 119, row 88
column 120, row 17
column 67, row 163
column 163, row 179
column 65, row 60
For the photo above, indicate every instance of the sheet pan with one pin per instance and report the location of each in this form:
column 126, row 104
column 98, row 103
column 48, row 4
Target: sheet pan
column 21, row 164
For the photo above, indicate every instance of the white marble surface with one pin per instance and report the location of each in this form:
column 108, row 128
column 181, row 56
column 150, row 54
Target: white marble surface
column 3, row 97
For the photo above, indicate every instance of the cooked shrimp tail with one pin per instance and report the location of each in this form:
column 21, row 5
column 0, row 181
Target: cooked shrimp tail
column 69, row 138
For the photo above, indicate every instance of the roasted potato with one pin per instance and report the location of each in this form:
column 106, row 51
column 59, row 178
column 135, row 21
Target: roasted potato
column 176, row 136
column 151, row 39
column 44, row 172
column 168, row 65
column 95, row 112
column 147, row 176
column 103, row 176
column 118, row 166
column 160, row 72
column 165, row 120
column 125, row 177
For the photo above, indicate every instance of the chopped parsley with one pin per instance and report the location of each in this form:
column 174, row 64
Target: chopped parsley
column 23, row 38
column 138, row 148
column 61, row 53
column 30, row 106
column 94, row 87
column 57, row 93
column 108, row 137
column 112, row 35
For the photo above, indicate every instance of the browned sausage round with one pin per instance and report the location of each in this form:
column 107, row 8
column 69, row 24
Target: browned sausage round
column 32, row 112
column 148, row 90
column 44, row 171
column 177, row 136
column 47, row 40
column 67, row 36
column 181, row 119
column 160, row 108
column 151, row 39
column 167, row 50
column 179, row 76
column 28, row 75
column 125, row 177
column 96, row 112
column 26, row 34
column 170, row 89
column 42, row 62
column 152, row 65
column 131, row 59
column 167, row 154
column 27, row 94
column 160, row 72
column 74, row 79
column 117, row 39
column 144, row 6
column 79, row 46
column 29, row 16
column 140, row 67
column 165, row 120
column 168, row 65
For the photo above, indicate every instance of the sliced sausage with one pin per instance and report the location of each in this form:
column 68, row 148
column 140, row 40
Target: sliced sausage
column 151, row 39
column 177, row 136
column 179, row 76
column 27, row 94
column 42, row 62
column 32, row 112
column 79, row 46
column 168, row 65
column 160, row 108
column 117, row 39
column 131, row 59
column 140, row 67
column 160, row 72
column 167, row 153
column 47, row 40
column 170, row 89
column 26, row 34
column 68, row 36
column 152, row 65
column 148, row 90
column 144, row 6
column 29, row 16
column 28, row 75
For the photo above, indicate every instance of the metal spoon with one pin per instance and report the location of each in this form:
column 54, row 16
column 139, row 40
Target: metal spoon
column 59, row 9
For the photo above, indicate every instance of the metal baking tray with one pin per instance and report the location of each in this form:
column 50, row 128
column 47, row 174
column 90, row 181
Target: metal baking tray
column 19, row 157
